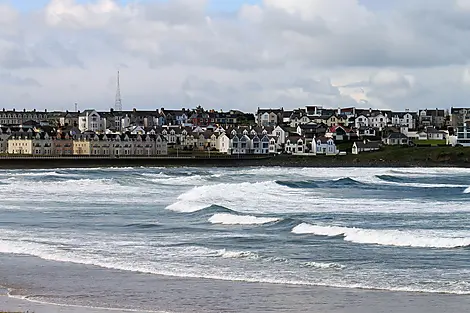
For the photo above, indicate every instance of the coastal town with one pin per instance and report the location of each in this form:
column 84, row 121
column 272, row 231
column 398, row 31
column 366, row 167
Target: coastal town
column 307, row 131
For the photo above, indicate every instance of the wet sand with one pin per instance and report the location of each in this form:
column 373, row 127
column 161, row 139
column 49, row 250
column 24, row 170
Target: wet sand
column 91, row 286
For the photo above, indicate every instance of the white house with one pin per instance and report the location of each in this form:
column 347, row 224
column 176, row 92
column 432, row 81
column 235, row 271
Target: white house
column 246, row 143
column 403, row 119
column 395, row 139
column 365, row 146
column 280, row 134
column 362, row 121
column 90, row 120
column 273, row 145
column 324, row 145
column 435, row 134
column 378, row 120
column 295, row 145
column 223, row 143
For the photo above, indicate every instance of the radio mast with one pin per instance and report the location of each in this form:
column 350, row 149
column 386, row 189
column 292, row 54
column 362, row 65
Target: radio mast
column 118, row 101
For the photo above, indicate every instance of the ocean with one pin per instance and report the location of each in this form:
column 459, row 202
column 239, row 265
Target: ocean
column 238, row 239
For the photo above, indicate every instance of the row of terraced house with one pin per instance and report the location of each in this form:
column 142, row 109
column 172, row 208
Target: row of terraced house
column 309, row 130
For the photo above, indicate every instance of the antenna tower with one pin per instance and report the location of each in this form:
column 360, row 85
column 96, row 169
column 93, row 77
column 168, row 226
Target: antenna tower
column 118, row 101
column 76, row 107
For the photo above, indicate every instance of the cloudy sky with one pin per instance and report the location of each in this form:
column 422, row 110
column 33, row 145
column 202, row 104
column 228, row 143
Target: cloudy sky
column 390, row 54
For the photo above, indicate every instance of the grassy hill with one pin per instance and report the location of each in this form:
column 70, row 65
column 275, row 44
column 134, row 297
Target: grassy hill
column 387, row 156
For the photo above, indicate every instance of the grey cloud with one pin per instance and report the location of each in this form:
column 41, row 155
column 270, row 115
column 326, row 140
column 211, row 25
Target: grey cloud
column 228, row 61
column 9, row 79
column 21, row 57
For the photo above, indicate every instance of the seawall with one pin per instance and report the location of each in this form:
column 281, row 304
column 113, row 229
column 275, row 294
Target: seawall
column 418, row 157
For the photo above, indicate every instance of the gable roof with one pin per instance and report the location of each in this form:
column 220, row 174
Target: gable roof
column 369, row 145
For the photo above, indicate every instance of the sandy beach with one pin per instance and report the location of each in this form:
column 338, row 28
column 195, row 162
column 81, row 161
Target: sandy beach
column 191, row 295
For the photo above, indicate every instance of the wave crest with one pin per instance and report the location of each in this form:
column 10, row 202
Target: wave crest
column 322, row 265
column 386, row 237
column 231, row 219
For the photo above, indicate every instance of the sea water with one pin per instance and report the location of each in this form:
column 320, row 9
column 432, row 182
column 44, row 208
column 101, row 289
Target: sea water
column 139, row 238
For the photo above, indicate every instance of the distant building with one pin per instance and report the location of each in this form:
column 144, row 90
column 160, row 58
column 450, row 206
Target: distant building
column 365, row 146
column 269, row 117
column 90, row 120
column 459, row 116
column 324, row 145
column 396, row 139
column 463, row 135
column 432, row 117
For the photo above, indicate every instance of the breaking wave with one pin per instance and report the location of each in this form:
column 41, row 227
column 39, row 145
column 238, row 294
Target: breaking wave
column 231, row 219
column 386, row 237
column 322, row 265
column 237, row 254
column 224, row 194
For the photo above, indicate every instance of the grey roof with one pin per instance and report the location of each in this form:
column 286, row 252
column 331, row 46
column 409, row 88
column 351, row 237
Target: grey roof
column 432, row 130
column 369, row 145
column 397, row 136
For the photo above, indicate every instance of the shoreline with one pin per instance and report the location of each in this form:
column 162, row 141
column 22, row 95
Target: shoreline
column 398, row 301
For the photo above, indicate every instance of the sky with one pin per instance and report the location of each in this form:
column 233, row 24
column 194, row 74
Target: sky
column 242, row 54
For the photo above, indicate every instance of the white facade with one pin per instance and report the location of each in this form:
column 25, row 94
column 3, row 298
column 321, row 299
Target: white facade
column 280, row 134
column 378, row 121
column 243, row 144
column 223, row 143
column 90, row 120
column 406, row 119
column 295, row 146
column 324, row 146
column 362, row 120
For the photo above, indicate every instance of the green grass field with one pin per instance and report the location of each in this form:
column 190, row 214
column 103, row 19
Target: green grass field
column 429, row 142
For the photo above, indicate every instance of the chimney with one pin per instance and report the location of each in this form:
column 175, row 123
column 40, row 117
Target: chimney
column 24, row 110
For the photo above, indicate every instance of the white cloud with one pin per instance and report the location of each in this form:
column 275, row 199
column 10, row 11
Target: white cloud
column 282, row 52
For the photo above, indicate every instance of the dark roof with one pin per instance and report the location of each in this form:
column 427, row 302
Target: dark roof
column 434, row 112
column 370, row 144
column 397, row 136
column 323, row 139
column 459, row 110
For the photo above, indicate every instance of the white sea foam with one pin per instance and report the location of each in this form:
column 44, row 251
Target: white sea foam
column 322, row 265
column 386, row 237
column 212, row 272
column 231, row 219
column 237, row 254
column 36, row 174
column 268, row 197
column 374, row 180
column 229, row 195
